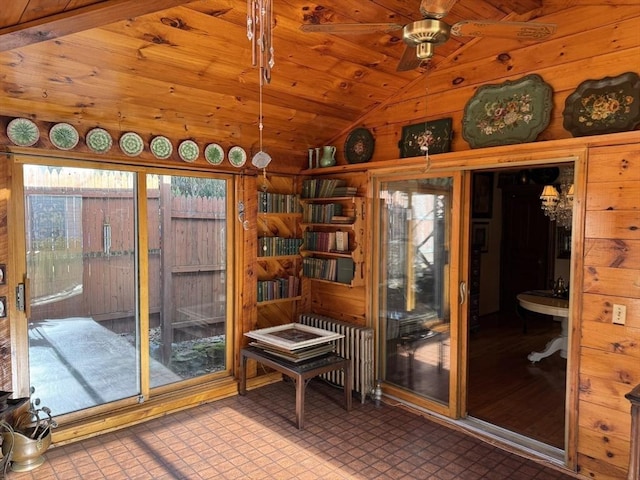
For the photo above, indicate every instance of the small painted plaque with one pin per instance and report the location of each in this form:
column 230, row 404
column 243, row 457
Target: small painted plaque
column 433, row 135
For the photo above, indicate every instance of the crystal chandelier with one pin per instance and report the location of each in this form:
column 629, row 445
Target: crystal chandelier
column 558, row 205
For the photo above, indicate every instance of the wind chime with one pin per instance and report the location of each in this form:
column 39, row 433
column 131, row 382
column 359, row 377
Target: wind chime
column 260, row 34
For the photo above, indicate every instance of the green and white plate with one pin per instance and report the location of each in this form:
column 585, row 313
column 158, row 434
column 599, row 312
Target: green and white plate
column 64, row 136
column 188, row 151
column 131, row 144
column 214, row 154
column 23, row 132
column 99, row 140
column 237, row 156
column 161, row 147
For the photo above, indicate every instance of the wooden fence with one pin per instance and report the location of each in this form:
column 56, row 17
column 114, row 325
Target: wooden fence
column 81, row 258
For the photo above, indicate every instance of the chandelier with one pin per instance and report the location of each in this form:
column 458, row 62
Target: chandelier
column 558, row 205
column 260, row 34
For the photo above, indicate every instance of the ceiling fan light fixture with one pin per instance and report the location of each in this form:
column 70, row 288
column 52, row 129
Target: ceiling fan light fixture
column 425, row 50
column 429, row 30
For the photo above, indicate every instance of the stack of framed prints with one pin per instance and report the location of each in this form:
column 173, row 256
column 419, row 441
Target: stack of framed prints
column 294, row 342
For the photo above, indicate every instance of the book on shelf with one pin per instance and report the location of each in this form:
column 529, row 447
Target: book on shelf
column 343, row 219
column 322, row 188
column 345, row 270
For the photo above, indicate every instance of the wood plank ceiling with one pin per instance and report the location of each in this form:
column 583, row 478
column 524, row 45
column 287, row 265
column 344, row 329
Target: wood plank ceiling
column 183, row 69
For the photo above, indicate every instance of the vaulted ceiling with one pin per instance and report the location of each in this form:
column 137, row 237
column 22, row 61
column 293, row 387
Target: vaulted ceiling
column 184, row 69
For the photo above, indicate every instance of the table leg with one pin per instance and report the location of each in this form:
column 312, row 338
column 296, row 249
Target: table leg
column 242, row 384
column 557, row 344
column 301, row 385
column 348, row 381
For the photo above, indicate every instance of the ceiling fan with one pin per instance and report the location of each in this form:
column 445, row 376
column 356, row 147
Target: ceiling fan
column 422, row 36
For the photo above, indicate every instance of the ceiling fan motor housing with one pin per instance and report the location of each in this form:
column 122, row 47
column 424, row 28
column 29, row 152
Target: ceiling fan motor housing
column 425, row 34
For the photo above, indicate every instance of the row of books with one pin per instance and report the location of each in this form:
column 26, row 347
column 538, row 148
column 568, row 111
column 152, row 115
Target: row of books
column 278, row 203
column 326, row 188
column 272, row 246
column 277, row 288
column 321, row 213
column 327, row 241
column 332, row 269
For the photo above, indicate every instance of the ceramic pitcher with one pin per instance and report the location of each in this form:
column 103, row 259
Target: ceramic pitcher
column 328, row 156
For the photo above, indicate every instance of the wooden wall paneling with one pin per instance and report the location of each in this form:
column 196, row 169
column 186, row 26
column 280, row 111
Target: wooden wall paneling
column 607, row 424
column 591, row 467
column 243, row 256
column 611, row 338
column 604, row 392
column 610, row 353
column 599, row 308
column 340, row 302
column 5, row 331
column 607, row 450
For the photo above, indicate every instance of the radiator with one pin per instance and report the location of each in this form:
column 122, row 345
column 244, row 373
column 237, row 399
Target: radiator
column 357, row 345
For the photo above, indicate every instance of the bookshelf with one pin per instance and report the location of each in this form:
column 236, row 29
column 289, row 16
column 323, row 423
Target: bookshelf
column 279, row 261
column 332, row 232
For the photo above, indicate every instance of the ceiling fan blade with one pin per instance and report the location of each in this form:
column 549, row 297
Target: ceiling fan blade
column 515, row 30
column 350, row 27
column 409, row 59
column 436, row 8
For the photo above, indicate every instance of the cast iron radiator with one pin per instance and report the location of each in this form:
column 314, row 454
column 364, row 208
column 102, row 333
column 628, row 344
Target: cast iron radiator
column 356, row 345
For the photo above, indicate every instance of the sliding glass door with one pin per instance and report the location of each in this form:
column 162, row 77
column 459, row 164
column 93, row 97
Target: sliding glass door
column 128, row 282
column 84, row 330
column 417, row 285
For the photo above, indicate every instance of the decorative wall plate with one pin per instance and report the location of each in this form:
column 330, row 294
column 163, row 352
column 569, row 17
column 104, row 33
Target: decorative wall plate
column 188, row 151
column 509, row 113
column 608, row 105
column 99, row 140
column 131, row 144
column 237, row 156
column 64, row 136
column 161, row 147
column 23, row 132
column 434, row 135
column 214, row 154
column 358, row 148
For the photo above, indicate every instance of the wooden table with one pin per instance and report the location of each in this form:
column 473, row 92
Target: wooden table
column 301, row 373
column 543, row 302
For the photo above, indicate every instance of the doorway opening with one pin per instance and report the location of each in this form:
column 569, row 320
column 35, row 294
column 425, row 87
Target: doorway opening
column 516, row 248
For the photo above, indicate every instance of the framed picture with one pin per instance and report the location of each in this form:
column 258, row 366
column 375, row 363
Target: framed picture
column 436, row 135
column 482, row 195
column 3, row 307
column 480, row 236
column 293, row 336
column 3, row 274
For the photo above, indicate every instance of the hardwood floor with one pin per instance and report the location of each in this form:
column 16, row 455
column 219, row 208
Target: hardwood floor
column 506, row 389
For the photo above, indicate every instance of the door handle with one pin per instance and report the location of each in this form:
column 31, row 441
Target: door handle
column 463, row 292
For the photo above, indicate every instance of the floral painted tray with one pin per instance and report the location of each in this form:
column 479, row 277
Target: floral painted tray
column 608, row 105
column 509, row 113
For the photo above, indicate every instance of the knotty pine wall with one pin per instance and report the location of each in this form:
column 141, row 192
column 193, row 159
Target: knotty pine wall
column 609, row 353
column 609, row 358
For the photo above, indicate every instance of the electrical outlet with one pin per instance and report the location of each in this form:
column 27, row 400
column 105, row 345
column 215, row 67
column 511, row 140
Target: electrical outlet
column 619, row 314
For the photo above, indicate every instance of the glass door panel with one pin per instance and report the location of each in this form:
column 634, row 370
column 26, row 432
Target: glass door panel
column 414, row 284
column 81, row 261
column 187, row 277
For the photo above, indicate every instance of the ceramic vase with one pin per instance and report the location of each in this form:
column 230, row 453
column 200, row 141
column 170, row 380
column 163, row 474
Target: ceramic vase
column 328, row 156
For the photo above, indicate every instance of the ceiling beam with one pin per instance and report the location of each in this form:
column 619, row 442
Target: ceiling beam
column 79, row 19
